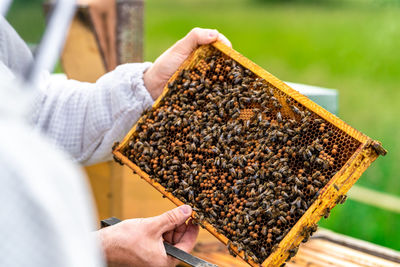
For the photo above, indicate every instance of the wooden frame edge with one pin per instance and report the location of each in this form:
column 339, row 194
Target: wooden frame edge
column 352, row 170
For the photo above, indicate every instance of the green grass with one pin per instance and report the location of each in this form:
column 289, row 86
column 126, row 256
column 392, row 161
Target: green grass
column 349, row 45
column 365, row 222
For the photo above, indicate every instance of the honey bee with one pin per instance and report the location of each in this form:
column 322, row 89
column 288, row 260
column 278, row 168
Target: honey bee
column 326, row 213
column 293, row 251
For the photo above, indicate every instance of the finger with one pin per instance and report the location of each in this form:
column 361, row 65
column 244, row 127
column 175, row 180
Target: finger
column 171, row 219
column 178, row 233
column 223, row 39
column 168, row 236
column 188, row 240
column 194, row 38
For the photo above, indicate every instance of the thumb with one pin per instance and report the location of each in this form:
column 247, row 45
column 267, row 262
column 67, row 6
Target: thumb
column 172, row 218
column 195, row 37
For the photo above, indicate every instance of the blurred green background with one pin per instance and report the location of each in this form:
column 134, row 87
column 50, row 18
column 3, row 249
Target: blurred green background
column 350, row 45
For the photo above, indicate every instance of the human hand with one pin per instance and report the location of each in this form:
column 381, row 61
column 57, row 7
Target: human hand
column 139, row 242
column 165, row 65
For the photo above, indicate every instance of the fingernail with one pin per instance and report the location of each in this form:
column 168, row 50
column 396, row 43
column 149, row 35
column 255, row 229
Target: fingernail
column 185, row 209
column 212, row 34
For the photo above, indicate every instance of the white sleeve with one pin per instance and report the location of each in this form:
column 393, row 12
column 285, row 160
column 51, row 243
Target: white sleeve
column 85, row 119
column 47, row 211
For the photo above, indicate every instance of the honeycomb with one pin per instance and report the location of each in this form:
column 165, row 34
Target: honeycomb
column 247, row 157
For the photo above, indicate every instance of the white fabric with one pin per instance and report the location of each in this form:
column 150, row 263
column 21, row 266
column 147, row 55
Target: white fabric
column 85, row 119
column 46, row 212
column 13, row 51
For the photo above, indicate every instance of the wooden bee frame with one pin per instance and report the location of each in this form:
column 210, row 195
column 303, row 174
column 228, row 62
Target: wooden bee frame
column 328, row 197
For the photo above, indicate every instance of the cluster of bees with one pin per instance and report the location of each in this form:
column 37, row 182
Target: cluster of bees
column 249, row 159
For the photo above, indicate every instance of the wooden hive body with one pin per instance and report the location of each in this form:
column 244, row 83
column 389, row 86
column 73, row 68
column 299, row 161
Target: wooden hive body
column 362, row 156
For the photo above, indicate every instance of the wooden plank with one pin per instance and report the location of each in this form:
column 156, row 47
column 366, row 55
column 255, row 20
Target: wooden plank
column 318, row 259
column 81, row 58
column 359, row 245
column 324, row 247
column 316, row 252
column 99, row 179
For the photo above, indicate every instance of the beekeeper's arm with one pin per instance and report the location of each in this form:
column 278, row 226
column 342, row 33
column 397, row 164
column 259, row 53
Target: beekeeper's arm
column 87, row 118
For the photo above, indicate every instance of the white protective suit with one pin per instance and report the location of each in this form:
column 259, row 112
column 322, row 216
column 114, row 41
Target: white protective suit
column 46, row 210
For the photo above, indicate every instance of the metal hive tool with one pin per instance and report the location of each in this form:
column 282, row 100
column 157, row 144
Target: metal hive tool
column 259, row 163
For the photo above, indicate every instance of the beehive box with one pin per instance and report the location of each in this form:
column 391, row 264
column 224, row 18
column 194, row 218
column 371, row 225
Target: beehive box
column 259, row 163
